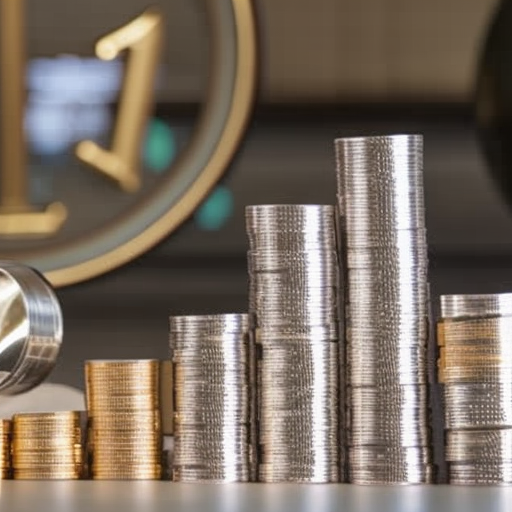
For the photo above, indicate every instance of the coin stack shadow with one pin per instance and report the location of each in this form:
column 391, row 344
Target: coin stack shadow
column 212, row 386
column 382, row 232
column 475, row 367
column 293, row 294
column 5, row 449
column 124, row 431
column 47, row 446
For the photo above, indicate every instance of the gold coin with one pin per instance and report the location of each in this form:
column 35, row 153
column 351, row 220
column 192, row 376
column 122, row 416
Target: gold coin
column 112, row 388
column 126, row 454
column 120, row 388
column 33, row 424
column 120, row 379
column 122, row 364
column 150, row 473
column 124, row 437
column 130, row 442
column 65, row 449
column 126, row 421
column 101, row 467
column 481, row 330
column 119, row 370
column 121, row 465
column 127, row 399
column 46, row 436
column 68, row 449
column 71, row 474
column 126, row 433
column 47, row 463
column 128, row 439
column 70, row 417
column 104, row 465
column 128, row 457
column 45, row 425
column 45, row 443
column 45, row 432
column 111, row 391
column 48, row 468
column 130, row 406
column 484, row 350
column 440, row 333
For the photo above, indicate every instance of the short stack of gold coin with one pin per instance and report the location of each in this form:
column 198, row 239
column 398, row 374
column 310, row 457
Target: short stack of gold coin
column 47, row 446
column 125, row 440
column 5, row 449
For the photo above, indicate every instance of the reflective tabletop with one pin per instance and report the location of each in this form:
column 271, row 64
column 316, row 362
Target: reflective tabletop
column 166, row 496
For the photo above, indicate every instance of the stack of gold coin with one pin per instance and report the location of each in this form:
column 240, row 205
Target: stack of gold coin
column 47, row 446
column 5, row 449
column 125, row 440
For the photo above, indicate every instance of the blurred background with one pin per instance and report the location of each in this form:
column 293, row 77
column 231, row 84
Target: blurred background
column 329, row 68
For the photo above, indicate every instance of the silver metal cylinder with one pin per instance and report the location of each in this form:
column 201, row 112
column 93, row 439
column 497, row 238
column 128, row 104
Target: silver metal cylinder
column 31, row 328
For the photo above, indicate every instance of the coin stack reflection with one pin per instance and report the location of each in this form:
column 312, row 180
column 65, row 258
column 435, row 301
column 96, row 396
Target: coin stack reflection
column 382, row 232
column 475, row 366
column 47, row 446
column 125, row 441
column 293, row 274
column 212, row 385
column 5, row 449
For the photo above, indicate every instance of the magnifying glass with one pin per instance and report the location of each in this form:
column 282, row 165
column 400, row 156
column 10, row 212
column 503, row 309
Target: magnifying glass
column 494, row 98
column 30, row 328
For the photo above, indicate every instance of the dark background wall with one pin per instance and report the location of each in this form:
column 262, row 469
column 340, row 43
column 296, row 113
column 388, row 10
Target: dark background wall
column 329, row 68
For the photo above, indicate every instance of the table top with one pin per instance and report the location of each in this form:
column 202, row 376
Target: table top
column 103, row 496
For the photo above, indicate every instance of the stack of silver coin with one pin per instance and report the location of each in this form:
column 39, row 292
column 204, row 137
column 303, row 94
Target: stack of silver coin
column 293, row 273
column 383, row 237
column 212, row 386
column 475, row 366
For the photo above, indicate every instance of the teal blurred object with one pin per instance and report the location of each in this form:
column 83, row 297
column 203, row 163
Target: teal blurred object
column 494, row 98
column 160, row 147
column 216, row 210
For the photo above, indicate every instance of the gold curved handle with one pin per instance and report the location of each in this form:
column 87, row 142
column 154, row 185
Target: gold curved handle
column 17, row 216
column 142, row 37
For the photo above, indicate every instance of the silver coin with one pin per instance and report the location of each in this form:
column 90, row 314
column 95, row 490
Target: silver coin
column 461, row 306
column 212, row 387
column 221, row 475
column 404, row 329
column 299, row 333
column 484, row 473
column 479, row 445
column 382, row 231
column 404, row 255
column 478, row 405
column 377, row 376
column 392, row 475
column 372, row 238
column 288, row 214
column 387, row 455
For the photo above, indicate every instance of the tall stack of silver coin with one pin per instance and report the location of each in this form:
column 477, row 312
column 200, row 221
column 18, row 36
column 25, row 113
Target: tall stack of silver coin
column 475, row 365
column 293, row 298
column 384, row 246
column 212, row 386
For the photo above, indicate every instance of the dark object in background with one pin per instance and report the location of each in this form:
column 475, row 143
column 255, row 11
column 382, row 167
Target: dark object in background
column 494, row 98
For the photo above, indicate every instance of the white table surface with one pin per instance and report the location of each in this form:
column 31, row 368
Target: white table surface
column 89, row 496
